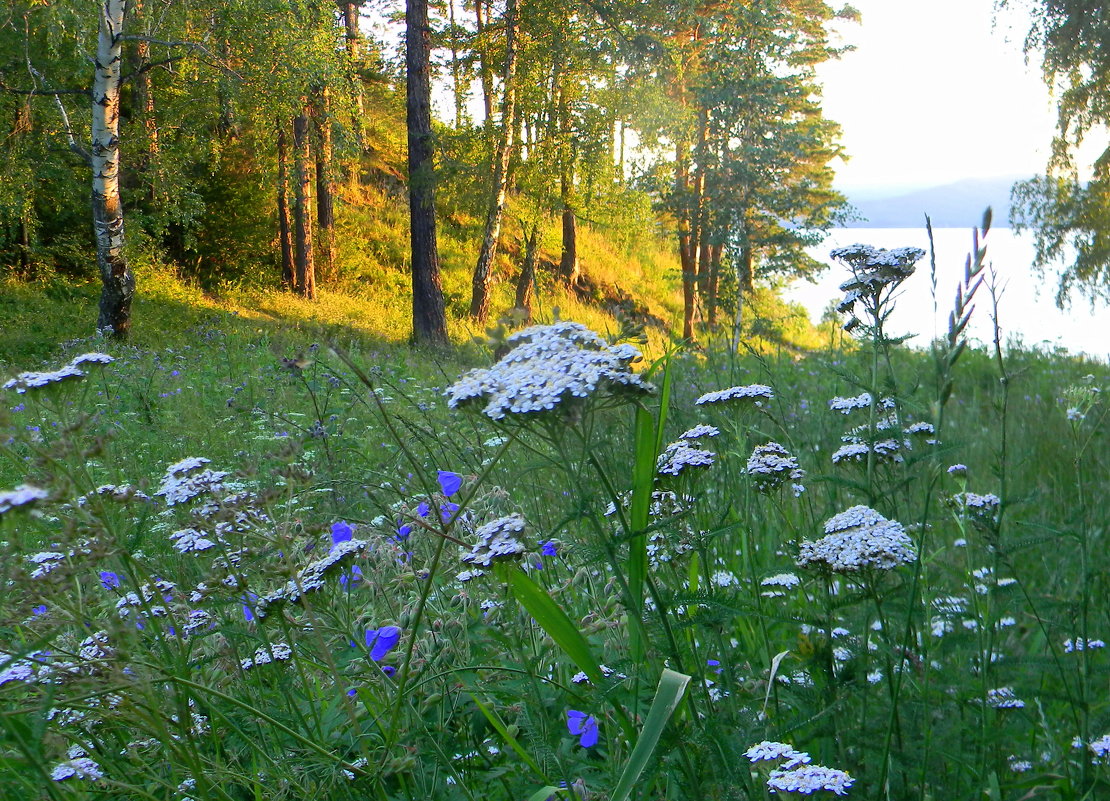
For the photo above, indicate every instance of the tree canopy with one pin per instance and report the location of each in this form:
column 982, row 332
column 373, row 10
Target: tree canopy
column 1069, row 214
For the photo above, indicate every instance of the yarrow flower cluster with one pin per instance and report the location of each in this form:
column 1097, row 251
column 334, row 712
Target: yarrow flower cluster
column 185, row 480
column 861, row 401
column 856, row 539
column 32, row 380
column 754, row 393
column 974, row 503
column 550, row 365
column 1004, row 698
column 1079, row 644
column 497, row 539
column 771, row 466
column 23, row 495
column 677, row 539
column 796, row 774
column 873, row 270
column 679, row 455
column 700, row 431
column 312, row 577
column 274, row 652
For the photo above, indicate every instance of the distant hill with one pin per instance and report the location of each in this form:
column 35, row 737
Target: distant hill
column 956, row 205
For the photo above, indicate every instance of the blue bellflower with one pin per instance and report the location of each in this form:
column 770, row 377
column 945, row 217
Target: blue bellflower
column 382, row 641
column 582, row 726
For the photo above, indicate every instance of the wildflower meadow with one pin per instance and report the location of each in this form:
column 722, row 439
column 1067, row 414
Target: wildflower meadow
column 573, row 567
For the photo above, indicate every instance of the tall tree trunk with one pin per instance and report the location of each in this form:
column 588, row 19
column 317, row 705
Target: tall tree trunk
column 429, row 324
column 698, row 233
column 350, row 10
column 686, row 254
column 456, row 68
column 144, row 105
column 325, row 189
column 485, row 74
column 569, row 267
column 107, row 205
column 285, row 231
column 479, row 301
column 745, row 279
column 302, row 203
column 528, row 273
column 714, row 281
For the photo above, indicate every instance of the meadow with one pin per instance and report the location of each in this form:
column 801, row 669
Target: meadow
column 247, row 563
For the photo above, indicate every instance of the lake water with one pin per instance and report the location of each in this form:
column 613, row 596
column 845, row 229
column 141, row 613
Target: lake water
column 1027, row 308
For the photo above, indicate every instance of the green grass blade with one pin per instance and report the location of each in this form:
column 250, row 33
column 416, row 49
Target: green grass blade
column 503, row 730
column 672, row 685
column 555, row 622
column 643, row 480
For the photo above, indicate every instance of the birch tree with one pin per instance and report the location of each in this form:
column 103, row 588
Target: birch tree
column 479, row 302
column 117, row 279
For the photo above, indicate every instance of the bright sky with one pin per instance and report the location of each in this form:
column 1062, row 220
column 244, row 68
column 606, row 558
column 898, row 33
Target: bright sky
column 937, row 91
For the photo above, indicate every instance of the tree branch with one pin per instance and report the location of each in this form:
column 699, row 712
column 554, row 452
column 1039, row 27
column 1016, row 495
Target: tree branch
column 73, row 143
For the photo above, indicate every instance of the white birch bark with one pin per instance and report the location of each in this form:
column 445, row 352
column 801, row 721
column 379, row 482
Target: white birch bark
column 479, row 302
column 107, row 206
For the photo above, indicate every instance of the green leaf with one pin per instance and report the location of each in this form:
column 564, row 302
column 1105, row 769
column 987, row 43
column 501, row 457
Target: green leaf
column 545, row 793
column 555, row 622
column 672, row 685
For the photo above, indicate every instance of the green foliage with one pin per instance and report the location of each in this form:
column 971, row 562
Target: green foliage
column 1069, row 216
column 481, row 685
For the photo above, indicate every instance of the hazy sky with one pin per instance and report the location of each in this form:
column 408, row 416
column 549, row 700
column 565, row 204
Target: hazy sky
column 937, row 91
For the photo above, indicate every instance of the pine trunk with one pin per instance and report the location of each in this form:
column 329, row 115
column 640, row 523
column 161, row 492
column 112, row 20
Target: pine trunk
column 302, row 204
column 285, row 230
column 569, row 267
column 686, row 254
column 429, row 324
column 479, row 301
column 325, row 188
column 118, row 282
column 527, row 280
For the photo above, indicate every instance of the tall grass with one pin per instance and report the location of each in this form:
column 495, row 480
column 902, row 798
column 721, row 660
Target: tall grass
column 644, row 630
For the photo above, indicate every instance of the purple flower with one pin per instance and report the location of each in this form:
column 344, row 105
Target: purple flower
column 355, row 574
column 449, row 482
column 403, row 532
column 248, row 613
column 548, row 548
column 447, row 511
column 582, row 726
column 109, row 580
column 341, row 532
column 39, row 610
column 388, row 670
column 382, row 641
column 423, row 509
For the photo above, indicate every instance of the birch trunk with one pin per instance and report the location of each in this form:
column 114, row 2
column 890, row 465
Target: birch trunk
column 484, row 73
column 285, row 229
column 479, row 302
column 429, row 323
column 302, row 193
column 714, row 282
column 325, row 187
column 118, row 282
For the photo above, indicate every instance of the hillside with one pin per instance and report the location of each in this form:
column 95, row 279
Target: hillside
column 955, row 205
